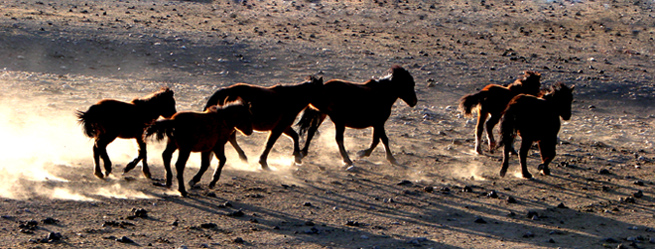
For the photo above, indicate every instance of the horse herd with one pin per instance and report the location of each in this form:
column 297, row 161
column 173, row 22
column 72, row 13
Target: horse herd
column 525, row 109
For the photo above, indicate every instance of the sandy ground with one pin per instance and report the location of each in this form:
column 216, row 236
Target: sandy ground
column 57, row 57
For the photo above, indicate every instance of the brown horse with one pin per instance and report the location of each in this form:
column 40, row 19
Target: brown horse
column 535, row 120
column 273, row 109
column 205, row 132
column 359, row 105
column 109, row 119
column 492, row 100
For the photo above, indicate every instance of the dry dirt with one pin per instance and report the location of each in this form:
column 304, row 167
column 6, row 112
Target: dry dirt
column 57, row 57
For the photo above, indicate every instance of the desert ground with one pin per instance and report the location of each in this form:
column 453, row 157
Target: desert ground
column 58, row 57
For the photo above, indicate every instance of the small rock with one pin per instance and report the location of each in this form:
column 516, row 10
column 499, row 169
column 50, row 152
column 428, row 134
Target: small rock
column 237, row 213
column 307, row 204
column 467, row 189
column 492, row 194
column 561, row 205
column 417, row 241
column 53, row 236
column 604, row 172
column 528, row 234
column 352, row 223
column 638, row 183
column 480, row 221
column 239, row 240
column 638, row 194
column 511, row 199
column 50, row 221
column 405, row 183
column 211, row 194
column 532, row 214
column 352, row 169
column 140, row 213
column 309, row 223
column 551, row 240
column 125, row 239
column 312, row 230
column 183, row 247
column 610, row 240
column 633, row 228
column 428, row 189
column 208, row 225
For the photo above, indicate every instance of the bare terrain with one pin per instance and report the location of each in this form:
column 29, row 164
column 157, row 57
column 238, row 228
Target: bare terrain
column 57, row 57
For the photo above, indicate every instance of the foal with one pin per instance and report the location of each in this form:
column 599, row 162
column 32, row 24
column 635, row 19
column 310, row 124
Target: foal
column 535, row 120
column 205, row 132
column 109, row 119
column 492, row 100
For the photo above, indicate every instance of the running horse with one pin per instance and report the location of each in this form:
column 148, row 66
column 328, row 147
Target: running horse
column 359, row 106
column 491, row 102
column 535, row 120
column 206, row 132
column 110, row 119
column 273, row 109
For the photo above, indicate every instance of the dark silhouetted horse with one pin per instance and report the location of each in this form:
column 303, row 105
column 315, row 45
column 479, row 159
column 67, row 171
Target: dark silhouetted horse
column 359, row 105
column 273, row 109
column 491, row 102
column 535, row 120
column 205, row 132
column 109, row 119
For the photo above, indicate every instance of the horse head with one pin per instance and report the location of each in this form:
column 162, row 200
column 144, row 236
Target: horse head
column 530, row 82
column 165, row 102
column 404, row 84
column 561, row 97
column 242, row 116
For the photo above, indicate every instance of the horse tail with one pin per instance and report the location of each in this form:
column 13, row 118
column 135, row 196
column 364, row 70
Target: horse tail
column 507, row 126
column 87, row 120
column 310, row 119
column 470, row 101
column 161, row 129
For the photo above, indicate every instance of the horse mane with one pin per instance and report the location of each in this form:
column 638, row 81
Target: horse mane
column 164, row 92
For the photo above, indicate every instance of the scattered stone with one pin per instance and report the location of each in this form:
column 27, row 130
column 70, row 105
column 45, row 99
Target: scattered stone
column 532, row 214
column 125, row 239
column 185, row 247
column 224, row 205
column 307, row 204
column 352, row 169
column 610, row 240
column 54, row 236
column 604, row 172
column 492, row 194
column 237, row 213
column 445, row 190
column 628, row 199
column 528, row 234
column 480, row 221
column 209, row 225
column 417, row 241
column 405, row 183
column 622, row 246
column 428, row 189
column 309, row 223
column 551, row 240
column 638, row 183
column 638, row 194
column 352, row 223
column 239, row 240
column 50, row 221
column 211, row 194
column 175, row 223
column 561, row 205
column 511, row 199
column 312, row 230
column 138, row 213
column 633, row 228
column 467, row 189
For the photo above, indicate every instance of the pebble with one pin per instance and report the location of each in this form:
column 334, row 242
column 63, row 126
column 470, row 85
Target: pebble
column 50, row 221
column 511, row 199
column 638, row 194
column 532, row 214
column 54, row 236
column 237, row 213
column 492, row 194
column 604, row 172
column 239, row 240
column 561, row 205
column 125, row 239
column 351, row 169
column 182, row 247
column 610, row 240
column 467, row 189
column 405, row 183
column 417, row 241
column 528, row 234
column 480, row 221
column 352, row 223
column 638, row 183
column 208, row 225
column 307, row 204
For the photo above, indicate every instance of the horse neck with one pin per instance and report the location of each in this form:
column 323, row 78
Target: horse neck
column 148, row 107
column 384, row 87
column 303, row 92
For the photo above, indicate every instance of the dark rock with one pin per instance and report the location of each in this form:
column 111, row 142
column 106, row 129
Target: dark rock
column 561, row 205
column 352, row 223
column 405, row 183
column 467, row 189
column 532, row 214
column 211, row 194
column 638, row 194
column 528, row 234
column 511, row 199
column 307, row 204
column 50, row 221
column 239, row 240
column 638, row 183
column 125, row 239
column 309, row 223
column 237, row 213
column 312, row 230
column 492, row 194
column 140, row 213
column 604, row 172
column 428, row 189
column 480, row 221
column 209, row 225
column 54, row 236
column 610, row 240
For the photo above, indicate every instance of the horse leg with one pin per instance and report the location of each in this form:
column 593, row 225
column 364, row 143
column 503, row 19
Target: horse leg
column 205, row 161
column 141, row 157
column 310, row 135
column 272, row 137
column 547, row 150
column 100, row 150
column 233, row 142
column 374, row 143
column 489, row 125
column 182, row 158
column 296, row 144
column 523, row 157
column 385, row 142
column 219, row 151
column 505, row 165
column 339, row 130
column 96, row 161
column 166, row 157
column 479, row 128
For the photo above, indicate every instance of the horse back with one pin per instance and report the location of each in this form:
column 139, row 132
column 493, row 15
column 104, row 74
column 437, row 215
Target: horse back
column 199, row 131
column 533, row 116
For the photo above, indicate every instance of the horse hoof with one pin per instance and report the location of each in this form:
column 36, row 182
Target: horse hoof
column 502, row 173
column 184, row 194
column 99, row 175
column 211, row 185
column 527, row 175
column 159, row 184
column 192, row 183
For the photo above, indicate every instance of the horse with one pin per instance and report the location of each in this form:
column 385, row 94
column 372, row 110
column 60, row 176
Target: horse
column 205, row 132
column 535, row 120
column 492, row 100
column 110, row 119
column 359, row 106
column 273, row 109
